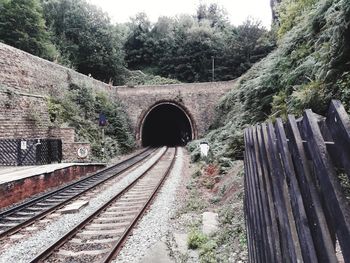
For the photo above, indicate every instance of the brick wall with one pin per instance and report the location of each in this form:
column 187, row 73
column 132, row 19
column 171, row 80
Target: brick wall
column 26, row 73
column 69, row 145
column 67, row 135
column 198, row 99
column 23, row 116
column 70, row 152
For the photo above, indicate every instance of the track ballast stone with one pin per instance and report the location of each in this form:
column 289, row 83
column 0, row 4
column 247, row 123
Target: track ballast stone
column 27, row 249
column 156, row 222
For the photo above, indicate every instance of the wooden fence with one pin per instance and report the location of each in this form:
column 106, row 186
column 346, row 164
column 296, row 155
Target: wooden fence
column 297, row 188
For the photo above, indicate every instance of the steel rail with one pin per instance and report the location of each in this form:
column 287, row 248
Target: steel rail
column 31, row 220
column 118, row 245
column 70, row 234
column 23, row 205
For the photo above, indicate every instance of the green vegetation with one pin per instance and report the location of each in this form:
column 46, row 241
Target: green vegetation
column 22, row 25
column 183, row 47
column 196, row 239
column 137, row 77
column 79, row 35
column 289, row 13
column 86, row 39
column 80, row 109
column 194, row 202
column 310, row 66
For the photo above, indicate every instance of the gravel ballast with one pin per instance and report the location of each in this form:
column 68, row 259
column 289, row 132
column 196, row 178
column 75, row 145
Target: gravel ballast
column 156, row 222
column 25, row 250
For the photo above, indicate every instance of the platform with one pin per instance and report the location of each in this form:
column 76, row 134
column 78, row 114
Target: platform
column 13, row 173
column 20, row 182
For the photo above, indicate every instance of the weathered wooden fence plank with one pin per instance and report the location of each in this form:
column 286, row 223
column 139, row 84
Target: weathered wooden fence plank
column 261, row 195
column 302, row 224
column 253, row 190
column 287, row 243
column 338, row 123
column 250, row 240
column 336, row 203
column 269, row 206
column 318, row 225
column 251, row 207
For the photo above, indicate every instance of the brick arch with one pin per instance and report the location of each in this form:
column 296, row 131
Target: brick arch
column 180, row 106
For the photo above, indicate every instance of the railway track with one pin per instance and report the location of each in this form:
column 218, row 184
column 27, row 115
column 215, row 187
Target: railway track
column 16, row 218
column 100, row 236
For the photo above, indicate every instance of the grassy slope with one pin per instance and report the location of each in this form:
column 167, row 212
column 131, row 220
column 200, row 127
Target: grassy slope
column 310, row 66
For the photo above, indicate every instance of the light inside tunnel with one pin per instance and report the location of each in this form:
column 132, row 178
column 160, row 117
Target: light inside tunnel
column 166, row 125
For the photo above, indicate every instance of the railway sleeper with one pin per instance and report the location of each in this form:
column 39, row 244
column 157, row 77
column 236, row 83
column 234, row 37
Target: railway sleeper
column 105, row 226
column 68, row 253
column 98, row 241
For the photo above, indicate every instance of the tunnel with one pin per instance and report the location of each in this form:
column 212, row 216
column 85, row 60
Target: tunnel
column 166, row 125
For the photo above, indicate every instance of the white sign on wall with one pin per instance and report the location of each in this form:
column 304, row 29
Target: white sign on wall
column 23, row 145
column 83, row 152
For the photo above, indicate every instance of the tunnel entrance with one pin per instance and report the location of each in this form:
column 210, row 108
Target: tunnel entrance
column 166, row 125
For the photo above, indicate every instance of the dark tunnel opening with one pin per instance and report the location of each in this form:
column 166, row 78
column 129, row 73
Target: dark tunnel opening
column 166, row 125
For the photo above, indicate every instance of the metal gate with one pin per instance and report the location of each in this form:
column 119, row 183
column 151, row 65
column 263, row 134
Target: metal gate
column 30, row 152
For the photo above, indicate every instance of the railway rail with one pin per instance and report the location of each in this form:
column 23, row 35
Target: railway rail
column 16, row 218
column 100, row 236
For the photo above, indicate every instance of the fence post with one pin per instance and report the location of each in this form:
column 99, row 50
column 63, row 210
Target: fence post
column 19, row 152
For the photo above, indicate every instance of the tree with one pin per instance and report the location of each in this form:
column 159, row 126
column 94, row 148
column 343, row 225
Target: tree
column 139, row 44
column 86, row 39
column 216, row 15
column 22, row 25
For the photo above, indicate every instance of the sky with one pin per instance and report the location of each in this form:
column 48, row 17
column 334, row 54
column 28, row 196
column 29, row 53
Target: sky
column 238, row 10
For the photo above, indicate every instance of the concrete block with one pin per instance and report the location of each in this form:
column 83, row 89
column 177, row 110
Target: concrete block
column 74, row 207
column 210, row 223
column 181, row 242
column 157, row 254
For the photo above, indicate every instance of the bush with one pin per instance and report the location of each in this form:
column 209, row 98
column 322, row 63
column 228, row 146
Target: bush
column 289, row 13
column 207, row 253
column 80, row 109
column 137, row 77
column 196, row 239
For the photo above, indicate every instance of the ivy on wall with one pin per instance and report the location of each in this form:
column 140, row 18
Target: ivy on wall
column 80, row 108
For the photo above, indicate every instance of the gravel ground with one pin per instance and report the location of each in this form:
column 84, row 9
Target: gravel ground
column 156, row 223
column 24, row 251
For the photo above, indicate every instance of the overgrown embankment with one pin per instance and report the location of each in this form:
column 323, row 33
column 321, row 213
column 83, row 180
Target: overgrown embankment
column 80, row 108
column 310, row 67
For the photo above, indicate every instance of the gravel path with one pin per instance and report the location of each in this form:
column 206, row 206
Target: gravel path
column 155, row 224
column 27, row 249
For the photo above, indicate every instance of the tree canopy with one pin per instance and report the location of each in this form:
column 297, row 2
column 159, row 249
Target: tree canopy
column 183, row 47
column 22, row 25
column 79, row 35
column 86, row 38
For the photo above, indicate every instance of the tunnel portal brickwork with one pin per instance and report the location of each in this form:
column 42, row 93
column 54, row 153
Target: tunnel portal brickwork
column 197, row 100
column 25, row 74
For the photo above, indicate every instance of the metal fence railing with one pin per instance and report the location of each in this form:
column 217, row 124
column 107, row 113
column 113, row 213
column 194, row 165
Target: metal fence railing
column 30, row 152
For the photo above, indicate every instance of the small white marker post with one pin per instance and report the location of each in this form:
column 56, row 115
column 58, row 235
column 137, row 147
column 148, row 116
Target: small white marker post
column 204, row 147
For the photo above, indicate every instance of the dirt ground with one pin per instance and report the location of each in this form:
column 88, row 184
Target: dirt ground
column 204, row 189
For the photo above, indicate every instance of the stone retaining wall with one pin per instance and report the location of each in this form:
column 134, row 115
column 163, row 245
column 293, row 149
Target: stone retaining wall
column 23, row 116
